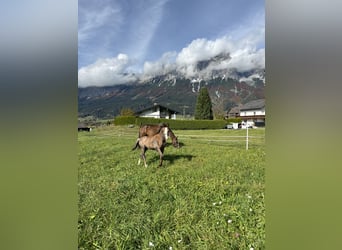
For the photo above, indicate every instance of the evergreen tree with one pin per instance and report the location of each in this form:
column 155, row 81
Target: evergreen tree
column 203, row 110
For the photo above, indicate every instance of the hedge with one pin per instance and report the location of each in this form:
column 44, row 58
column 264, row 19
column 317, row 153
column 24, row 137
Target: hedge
column 174, row 124
column 124, row 120
column 234, row 120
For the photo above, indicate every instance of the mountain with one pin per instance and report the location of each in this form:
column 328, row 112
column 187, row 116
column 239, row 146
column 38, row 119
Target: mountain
column 176, row 90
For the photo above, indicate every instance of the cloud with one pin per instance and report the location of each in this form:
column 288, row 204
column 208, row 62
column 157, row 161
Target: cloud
column 99, row 23
column 163, row 66
column 93, row 19
column 202, row 56
column 197, row 60
column 145, row 19
column 203, row 49
column 108, row 28
column 247, row 59
column 107, row 71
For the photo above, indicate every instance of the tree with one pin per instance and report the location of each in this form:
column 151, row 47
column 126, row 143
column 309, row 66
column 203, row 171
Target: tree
column 126, row 112
column 203, row 110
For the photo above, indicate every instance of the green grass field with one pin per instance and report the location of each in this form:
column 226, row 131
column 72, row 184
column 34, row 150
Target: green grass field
column 209, row 194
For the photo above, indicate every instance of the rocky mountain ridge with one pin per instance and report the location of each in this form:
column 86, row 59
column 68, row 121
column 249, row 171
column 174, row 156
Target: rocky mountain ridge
column 226, row 88
column 176, row 86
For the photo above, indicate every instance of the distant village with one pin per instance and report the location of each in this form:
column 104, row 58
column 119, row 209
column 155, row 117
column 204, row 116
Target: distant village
column 252, row 115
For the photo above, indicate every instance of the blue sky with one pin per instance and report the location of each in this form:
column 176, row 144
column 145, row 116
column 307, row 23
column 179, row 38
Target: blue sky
column 130, row 36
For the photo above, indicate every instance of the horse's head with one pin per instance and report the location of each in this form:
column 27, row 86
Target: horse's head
column 175, row 142
column 163, row 124
column 173, row 138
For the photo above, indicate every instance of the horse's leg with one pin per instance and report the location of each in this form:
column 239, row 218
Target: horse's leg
column 136, row 144
column 144, row 156
column 141, row 155
column 160, row 151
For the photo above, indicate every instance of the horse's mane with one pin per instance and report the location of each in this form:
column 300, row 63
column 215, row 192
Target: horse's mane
column 172, row 135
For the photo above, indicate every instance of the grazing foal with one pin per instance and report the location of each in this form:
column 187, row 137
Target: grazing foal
column 153, row 129
column 156, row 142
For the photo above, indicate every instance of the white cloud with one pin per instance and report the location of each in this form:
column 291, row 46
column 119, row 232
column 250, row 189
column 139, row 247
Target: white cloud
column 250, row 79
column 246, row 59
column 219, row 54
column 164, row 65
column 91, row 20
column 107, row 71
column 146, row 19
column 203, row 49
column 241, row 55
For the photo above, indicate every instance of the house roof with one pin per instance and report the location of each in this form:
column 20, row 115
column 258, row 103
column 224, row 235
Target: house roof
column 157, row 105
column 82, row 125
column 234, row 110
column 256, row 104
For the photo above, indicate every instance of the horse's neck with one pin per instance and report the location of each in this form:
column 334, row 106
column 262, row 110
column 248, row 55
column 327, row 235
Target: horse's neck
column 172, row 135
column 166, row 132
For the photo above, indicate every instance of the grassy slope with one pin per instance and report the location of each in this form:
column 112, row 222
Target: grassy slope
column 209, row 194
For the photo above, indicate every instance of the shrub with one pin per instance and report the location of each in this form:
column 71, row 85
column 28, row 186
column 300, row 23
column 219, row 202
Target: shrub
column 124, row 120
column 234, row 120
column 174, row 124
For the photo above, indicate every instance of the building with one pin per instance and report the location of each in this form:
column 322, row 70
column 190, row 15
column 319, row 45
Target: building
column 251, row 113
column 158, row 111
column 254, row 111
column 83, row 127
column 233, row 112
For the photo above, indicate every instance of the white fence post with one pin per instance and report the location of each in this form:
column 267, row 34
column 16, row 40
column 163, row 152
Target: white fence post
column 247, row 137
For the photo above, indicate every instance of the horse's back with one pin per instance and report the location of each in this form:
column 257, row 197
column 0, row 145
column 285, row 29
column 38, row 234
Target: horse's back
column 150, row 129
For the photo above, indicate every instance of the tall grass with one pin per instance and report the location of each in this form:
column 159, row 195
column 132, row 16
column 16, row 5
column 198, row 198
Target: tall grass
column 209, row 194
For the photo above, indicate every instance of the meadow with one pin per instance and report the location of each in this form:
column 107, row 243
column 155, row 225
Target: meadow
column 209, row 194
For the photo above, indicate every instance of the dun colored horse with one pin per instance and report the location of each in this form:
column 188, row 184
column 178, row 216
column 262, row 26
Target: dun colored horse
column 155, row 142
column 153, row 129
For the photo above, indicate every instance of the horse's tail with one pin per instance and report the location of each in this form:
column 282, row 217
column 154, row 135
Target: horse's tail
column 136, row 145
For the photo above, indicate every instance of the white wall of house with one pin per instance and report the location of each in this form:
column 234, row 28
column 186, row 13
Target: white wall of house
column 156, row 114
column 252, row 112
column 150, row 113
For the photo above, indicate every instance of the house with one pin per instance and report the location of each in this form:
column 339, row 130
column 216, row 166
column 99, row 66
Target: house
column 83, row 127
column 254, row 111
column 158, row 111
column 251, row 113
column 233, row 112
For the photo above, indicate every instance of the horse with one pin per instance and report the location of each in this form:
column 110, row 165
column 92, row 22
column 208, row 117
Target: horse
column 153, row 129
column 156, row 142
